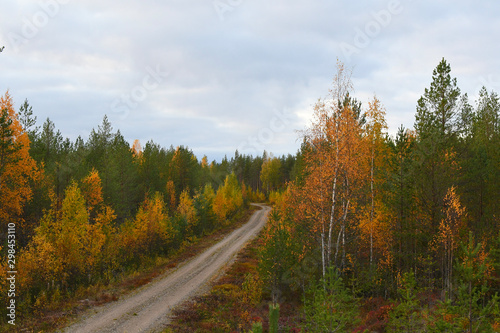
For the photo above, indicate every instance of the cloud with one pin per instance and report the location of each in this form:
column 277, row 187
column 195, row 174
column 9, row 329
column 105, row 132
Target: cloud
column 229, row 75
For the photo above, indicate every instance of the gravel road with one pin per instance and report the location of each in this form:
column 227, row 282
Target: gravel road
column 148, row 308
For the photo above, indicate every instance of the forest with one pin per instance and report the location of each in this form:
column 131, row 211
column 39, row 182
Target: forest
column 86, row 213
column 413, row 219
column 406, row 226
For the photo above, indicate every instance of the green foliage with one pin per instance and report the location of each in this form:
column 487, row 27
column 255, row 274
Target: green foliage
column 203, row 202
column 270, row 175
column 474, row 308
column 123, row 188
column 257, row 328
column 443, row 319
column 27, row 119
column 329, row 306
column 437, row 108
column 274, row 315
column 406, row 317
column 472, row 303
column 7, row 146
column 276, row 254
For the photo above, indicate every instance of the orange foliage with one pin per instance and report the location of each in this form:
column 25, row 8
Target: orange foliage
column 152, row 229
column 17, row 167
column 136, row 148
column 39, row 264
column 171, row 197
column 448, row 238
column 336, row 169
column 373, row 217
column 66, row 246
column 92, row 190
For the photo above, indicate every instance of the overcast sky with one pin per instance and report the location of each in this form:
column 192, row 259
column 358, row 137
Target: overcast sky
column 221, row 75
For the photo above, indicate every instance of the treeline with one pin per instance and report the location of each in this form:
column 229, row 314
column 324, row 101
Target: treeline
column 86, row 212
column 413, row 218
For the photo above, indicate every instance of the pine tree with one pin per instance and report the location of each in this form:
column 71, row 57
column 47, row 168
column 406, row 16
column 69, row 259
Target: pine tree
column 329, row 306
column 405, row 317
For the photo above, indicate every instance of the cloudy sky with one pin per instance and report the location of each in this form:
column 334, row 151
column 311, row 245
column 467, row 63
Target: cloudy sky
column 221, row 75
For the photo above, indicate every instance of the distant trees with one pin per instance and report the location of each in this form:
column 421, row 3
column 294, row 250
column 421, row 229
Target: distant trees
column 270, row 175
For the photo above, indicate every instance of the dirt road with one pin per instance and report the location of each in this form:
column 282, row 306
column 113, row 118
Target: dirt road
column 147, row 310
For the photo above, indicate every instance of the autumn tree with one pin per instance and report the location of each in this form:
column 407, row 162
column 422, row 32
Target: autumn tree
column 187, row 212
column 137, row 148
column 92, row 192
column 228, row 199
column 152, row 229
column 67, row 249
column 333, row 162
column 78, row 242
column 17, row 168
column 171, row 196
column 449, row 237
column 40, row 267
column 375, row 133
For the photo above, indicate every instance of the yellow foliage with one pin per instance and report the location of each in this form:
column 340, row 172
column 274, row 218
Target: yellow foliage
column 252, row 289
column 278, row 198
column 187, row 211
column 17, row 168
column 270, row 174
column 65, row 245
column 39, row 263
column 256, row 196
column 228, row 198
column 152, row 227
column 92, row 190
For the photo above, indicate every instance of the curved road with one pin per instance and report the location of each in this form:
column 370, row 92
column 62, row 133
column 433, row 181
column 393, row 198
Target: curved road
column 148, row 309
